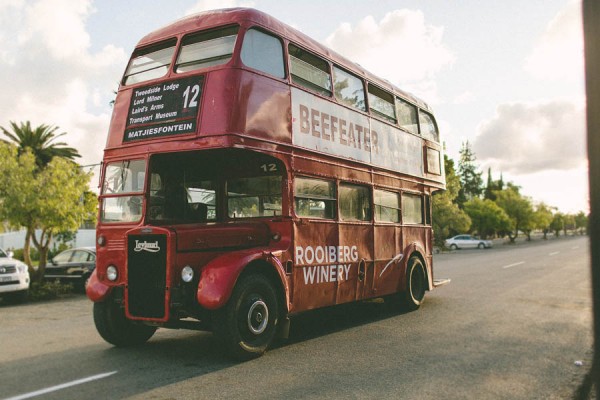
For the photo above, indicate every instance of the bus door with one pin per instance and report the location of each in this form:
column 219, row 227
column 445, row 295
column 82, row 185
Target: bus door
column 315, row 276
column 388, row 245
column 388, row 255
column 356, row 242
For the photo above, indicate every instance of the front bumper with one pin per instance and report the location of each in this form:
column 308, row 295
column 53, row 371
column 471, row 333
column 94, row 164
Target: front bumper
column 14, row 283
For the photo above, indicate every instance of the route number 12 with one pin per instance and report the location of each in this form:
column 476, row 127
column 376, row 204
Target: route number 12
column 194, row 92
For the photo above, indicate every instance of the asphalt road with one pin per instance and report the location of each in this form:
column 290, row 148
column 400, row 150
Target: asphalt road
column 511, row 325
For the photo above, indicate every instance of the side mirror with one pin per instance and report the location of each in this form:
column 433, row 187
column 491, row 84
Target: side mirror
column 10, row 254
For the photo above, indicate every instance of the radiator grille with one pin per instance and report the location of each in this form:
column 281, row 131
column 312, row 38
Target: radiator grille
column 8, row 269
column 146, row 275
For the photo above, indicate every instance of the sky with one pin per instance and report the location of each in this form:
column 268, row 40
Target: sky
column 506, row 76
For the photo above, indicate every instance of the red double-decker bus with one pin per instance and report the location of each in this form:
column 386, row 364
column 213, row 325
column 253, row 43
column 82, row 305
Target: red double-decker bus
column 251, row 174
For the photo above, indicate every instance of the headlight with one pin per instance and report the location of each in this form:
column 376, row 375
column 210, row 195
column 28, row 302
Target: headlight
column 187, row 274
column 22, row 268
column 112, row 273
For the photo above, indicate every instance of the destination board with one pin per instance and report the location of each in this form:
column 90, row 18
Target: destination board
column 165, row 109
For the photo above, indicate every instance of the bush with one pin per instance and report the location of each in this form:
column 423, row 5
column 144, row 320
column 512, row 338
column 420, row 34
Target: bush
column 48, row 290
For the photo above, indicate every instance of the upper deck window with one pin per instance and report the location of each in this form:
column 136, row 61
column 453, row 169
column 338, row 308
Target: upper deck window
column 263, row 52
column 149, row 63
column 309, row 71
column 206, row 49
column 349, row 89
column 381, row 103
column 407, row 116
column 428, row 127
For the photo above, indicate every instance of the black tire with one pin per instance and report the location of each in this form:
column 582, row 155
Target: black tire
column 453, row 247
column 247, row 324
column 481, row 246
column 416, row 286
column 116, row 329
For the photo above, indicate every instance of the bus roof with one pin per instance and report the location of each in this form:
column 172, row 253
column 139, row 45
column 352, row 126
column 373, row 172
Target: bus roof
column 252, row 17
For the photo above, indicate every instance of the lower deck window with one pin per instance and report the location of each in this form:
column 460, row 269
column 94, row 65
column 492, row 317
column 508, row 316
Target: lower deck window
column 387, row 206
column 314, row 198
column 258, row 196
column 412, row 209
column 355, row 203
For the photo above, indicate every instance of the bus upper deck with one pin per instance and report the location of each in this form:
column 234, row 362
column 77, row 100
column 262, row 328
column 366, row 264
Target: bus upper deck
column 227, row 77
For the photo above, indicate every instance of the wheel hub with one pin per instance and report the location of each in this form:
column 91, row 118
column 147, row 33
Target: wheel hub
column 258, row 317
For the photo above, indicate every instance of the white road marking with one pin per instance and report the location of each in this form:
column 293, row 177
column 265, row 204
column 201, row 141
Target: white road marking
column 61, row 386
column 554, row 253
column 514, row 265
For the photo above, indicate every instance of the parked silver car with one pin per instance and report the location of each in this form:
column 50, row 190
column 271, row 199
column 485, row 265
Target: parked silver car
column 14, row 278
column 467, row 242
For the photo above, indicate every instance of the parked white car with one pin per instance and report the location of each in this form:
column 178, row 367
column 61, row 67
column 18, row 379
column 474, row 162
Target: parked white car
column 467, row 242
column 14, row 278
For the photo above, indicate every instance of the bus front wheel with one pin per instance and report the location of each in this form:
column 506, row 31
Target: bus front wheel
column 116, row 329
column 246, row 325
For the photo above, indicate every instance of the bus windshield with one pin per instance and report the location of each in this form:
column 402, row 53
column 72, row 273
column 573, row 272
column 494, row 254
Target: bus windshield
column 122, row 178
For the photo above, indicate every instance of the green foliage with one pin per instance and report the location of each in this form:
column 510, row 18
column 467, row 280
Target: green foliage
column 39, row 141
column 48, row 290
column 581, row 222
column 558, row 223
column 48, row 199
column 470, row 176
column 518, row 208
column 487, row 217
column 492, row 186
column 543, row 218
column 448, row 218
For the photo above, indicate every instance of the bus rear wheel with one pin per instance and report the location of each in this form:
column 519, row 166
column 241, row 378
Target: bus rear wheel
column 247, row 324
column 416, row 286
column 116, row 329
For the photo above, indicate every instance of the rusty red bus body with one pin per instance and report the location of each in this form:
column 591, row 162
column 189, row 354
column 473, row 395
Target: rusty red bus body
column 246, row 145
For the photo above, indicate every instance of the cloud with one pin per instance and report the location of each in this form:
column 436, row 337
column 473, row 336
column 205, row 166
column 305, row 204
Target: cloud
column 526, row 138
column 558, row 53
column 204, row 5
column 464, row 98
column 401, row 47
column 51, row 74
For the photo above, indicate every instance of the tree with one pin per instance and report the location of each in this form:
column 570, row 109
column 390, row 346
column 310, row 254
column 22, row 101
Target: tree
column 581, row 222
column 557, row 223
column 486, row 217
column 569, row 223
column 470, row 177
column 543, row 218
column 519, row 211
column 40, row 142
column 49, row 200
column 448, row 218
column 492, row 186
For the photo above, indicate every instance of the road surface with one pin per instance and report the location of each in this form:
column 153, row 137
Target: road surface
column 512, row 324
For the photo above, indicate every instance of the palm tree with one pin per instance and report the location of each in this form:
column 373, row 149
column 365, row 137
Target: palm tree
column 39, row 141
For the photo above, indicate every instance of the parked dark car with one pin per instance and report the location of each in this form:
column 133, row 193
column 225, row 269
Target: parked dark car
column 72, row 266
